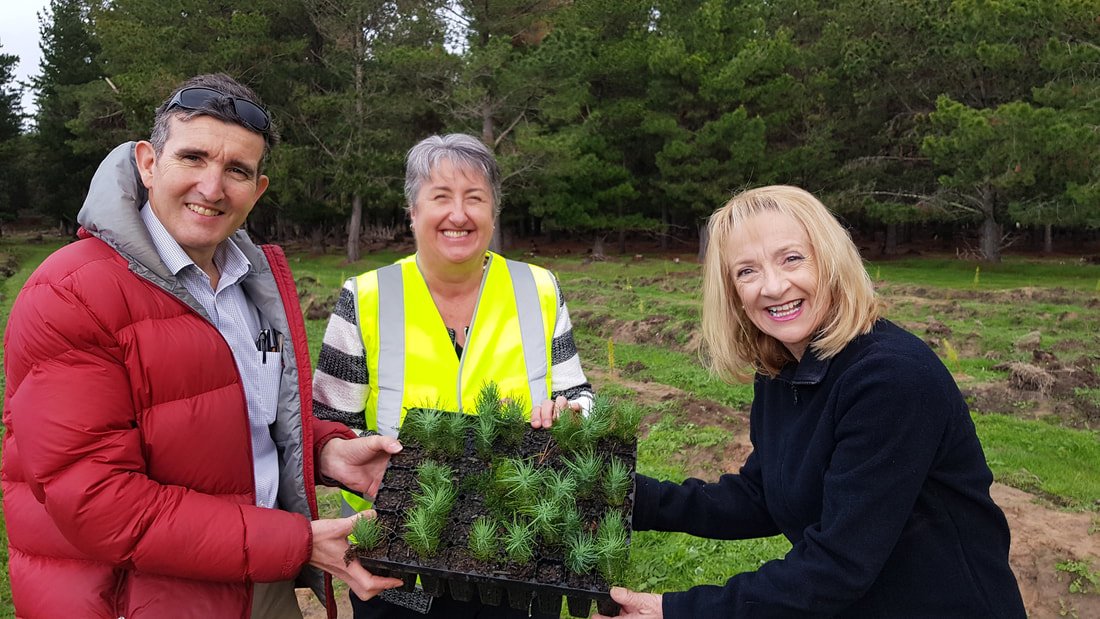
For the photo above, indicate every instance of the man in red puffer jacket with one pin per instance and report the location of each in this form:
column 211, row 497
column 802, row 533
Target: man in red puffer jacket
column 159, row 455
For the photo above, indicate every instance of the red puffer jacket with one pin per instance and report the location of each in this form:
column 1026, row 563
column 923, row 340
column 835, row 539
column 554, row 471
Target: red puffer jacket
column 127, row 465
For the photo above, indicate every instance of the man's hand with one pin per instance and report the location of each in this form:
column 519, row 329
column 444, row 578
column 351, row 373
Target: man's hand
column 635, row 605
column 358, row 463
column 543, row 415
column 330, row 543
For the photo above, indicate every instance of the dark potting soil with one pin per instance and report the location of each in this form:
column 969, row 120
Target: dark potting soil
column 543, row 579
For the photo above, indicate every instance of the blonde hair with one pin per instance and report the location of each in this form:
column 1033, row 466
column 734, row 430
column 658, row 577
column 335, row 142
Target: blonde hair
column 735, row 346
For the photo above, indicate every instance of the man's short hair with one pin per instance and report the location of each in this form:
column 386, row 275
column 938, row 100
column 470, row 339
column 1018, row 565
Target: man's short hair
column 223, row 108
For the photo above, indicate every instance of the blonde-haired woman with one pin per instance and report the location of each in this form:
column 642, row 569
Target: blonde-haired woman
column 864, row 453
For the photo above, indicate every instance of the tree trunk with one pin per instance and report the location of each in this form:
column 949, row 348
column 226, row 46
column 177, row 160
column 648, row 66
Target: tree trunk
column 496, row 244
column 704, row 238
column 991, row 239
column 355, row 220
column 317, row 240
column 597, row 248
column 890, row 247
column 487, row 137
column 1048, row 239
column 664, row 227
column 355, row 227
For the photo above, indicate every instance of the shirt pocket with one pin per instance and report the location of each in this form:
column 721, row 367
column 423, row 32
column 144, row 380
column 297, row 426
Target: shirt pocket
column 267, row 378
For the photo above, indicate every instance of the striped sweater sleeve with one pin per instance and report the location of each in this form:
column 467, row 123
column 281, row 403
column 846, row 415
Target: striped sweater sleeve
column 341, row 380
column 567, row 376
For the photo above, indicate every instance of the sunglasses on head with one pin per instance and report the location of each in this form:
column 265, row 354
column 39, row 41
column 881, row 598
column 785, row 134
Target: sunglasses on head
column 197, row 98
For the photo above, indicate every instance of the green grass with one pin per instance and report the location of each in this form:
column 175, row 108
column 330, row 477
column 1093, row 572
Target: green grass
column 620, row 296
column 677, row 561
column 1083, row 579
column 319, row 280
column 1012, row 272
column 1057, row 463
column 665, row 366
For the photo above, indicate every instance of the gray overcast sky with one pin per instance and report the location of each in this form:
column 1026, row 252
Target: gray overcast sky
column 19, row 36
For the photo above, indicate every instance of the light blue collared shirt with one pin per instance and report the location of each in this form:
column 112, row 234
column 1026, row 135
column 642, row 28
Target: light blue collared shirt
column 239, row 322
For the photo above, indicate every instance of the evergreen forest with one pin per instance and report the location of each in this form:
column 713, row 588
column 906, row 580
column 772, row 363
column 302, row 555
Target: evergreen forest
column 970, row 121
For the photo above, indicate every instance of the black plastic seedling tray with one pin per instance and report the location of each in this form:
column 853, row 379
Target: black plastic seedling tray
column 539, row 585
column 495, row 590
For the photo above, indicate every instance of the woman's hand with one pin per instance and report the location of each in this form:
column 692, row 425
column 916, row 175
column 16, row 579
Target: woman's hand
column 543, row 415
column 635, row 605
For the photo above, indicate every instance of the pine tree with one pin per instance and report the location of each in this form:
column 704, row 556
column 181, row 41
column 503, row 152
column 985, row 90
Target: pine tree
column 12, row 181
column 69, row 51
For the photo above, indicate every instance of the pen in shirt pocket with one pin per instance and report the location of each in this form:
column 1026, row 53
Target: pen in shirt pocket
column 269, row 340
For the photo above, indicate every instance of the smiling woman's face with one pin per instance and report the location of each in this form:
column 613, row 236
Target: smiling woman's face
column 775, row 276
column 452, row 218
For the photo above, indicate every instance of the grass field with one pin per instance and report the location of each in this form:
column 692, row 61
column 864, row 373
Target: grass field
column 636, row 323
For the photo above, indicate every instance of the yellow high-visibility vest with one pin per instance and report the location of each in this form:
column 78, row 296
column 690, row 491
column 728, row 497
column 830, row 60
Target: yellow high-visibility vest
column 411, row 360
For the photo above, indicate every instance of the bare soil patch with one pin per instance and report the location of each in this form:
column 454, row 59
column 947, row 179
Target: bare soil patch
column 1045, row 386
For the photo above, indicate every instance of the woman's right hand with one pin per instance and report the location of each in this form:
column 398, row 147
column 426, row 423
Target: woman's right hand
column 635, row 605
column 544, row 415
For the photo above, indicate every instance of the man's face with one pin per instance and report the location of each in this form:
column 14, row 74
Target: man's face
column 204, row 183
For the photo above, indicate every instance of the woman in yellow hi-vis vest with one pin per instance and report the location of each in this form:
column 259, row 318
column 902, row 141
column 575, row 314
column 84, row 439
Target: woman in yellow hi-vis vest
column 435, row 326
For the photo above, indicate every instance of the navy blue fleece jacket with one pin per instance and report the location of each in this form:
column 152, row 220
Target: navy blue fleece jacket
column 869, row 464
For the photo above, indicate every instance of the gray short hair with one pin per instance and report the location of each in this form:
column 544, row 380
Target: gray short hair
column 462, row 151
column 222, row 109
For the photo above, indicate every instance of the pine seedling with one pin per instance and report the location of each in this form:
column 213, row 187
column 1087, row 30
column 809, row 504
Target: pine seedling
column 545, row 517
column 438, row 493
column 367, row 533
column 410, row 431
column 571, row 519
column 567, row 430
column 486, row 428
column 437, row 500
column 616, row 482
column 559, row 485
column 585, row 467
column 421, row 426
column 519, row 481
column 519, row 540
column 451, row 439
column 581, row 553
column 611, row 356
column 483, row 539
column 422, row 531
column 611, row 547
column 597, row 424
column 627, row 418
column 432, row 473
column 513, row 423
column 487, row 403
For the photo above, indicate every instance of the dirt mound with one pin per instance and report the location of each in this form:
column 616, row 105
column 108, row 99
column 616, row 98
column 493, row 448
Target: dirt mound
column 1015, row 296
column 1046, row 386
column 654, row 330
column 1027, row 377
